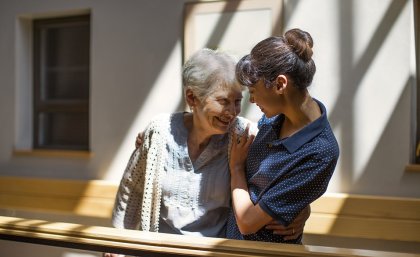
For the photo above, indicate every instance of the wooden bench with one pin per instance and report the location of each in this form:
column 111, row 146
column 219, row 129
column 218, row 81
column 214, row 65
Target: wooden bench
column 93, row 198
column 341, row 215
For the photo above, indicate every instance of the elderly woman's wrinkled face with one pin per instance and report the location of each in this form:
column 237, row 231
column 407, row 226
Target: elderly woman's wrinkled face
column 217, row 112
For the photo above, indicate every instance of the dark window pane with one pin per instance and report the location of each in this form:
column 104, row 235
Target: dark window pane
column 61, row 84
column 65, row 55
column 64, row 129
column 66, row 46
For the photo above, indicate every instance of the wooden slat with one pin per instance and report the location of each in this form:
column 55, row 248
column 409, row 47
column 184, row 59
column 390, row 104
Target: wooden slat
column 138, row 242
column 362, row 227
column 83, row 206
column 368, row 206
column 58, row 187
column 93, row 198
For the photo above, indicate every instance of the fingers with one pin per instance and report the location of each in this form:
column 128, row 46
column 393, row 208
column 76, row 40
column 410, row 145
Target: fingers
column 245, row 138
column 246, row 132
column 293, row 231
column 278, row 229
column 288, row 233
column 139, row 139
column 236, row 138
column 112, row 255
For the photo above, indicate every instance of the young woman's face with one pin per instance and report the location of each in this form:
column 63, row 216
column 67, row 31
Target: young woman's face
column 217, row 112
column 265, row 98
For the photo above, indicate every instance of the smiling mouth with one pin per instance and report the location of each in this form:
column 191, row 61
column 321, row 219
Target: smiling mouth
column 224, row 121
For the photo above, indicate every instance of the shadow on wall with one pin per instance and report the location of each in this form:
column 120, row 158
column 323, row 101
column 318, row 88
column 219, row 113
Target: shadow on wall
column 163, row 34
column 390, row 144
column 341, row 115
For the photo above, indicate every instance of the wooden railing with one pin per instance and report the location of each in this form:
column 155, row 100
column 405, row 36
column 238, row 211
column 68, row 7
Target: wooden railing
column 353, row 216
column 138, row 243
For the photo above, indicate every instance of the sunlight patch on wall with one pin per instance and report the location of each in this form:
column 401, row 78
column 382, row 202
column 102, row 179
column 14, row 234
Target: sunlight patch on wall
column 256, row 24
column 375, row 10
column 379, row 91
column 165, row 97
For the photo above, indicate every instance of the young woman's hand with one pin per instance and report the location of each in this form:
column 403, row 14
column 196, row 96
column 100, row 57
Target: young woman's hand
column 112, row 255
column 295, row 229
column 239, row 151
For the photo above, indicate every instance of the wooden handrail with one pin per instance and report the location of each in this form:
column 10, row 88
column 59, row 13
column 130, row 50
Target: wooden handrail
column 105, row 239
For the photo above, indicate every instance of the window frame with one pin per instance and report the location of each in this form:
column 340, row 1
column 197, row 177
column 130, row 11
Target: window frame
column 76, row 106
column 416, row 151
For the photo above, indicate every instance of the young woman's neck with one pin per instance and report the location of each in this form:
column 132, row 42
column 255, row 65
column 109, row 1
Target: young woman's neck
column 300, row 110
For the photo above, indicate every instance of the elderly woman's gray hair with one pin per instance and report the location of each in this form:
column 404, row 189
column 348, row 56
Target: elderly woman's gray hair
column 208, row 70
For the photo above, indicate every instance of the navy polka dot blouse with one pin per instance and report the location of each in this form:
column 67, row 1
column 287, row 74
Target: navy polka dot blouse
column 285, row 175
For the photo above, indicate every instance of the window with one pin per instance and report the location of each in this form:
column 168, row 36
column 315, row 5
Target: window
column 61, row 83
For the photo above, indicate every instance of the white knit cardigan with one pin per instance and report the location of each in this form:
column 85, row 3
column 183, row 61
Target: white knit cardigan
column 138, row 200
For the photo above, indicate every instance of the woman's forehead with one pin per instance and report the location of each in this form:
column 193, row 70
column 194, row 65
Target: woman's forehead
column 226, row 92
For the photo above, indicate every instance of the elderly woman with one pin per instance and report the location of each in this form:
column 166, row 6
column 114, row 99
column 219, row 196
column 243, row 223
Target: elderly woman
column 178, row 180
column 295, row 152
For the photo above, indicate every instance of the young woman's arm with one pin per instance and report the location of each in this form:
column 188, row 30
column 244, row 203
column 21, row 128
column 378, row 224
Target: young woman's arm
column 249, row 217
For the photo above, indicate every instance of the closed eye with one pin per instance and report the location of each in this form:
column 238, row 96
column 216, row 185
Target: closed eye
column 223, row 101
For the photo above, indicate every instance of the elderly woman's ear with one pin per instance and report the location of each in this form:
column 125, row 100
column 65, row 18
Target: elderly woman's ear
column 190, row 98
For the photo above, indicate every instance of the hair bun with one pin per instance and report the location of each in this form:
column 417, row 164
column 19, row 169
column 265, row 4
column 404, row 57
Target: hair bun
column 301, row 42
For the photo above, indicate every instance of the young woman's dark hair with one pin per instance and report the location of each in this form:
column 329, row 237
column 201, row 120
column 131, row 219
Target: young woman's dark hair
column 290, row 55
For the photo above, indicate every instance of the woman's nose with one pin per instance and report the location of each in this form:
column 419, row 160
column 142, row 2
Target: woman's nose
column 232, row 110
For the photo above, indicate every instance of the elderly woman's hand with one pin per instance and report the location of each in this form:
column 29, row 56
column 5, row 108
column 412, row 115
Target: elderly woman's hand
column 139, row 139
column 295, row 229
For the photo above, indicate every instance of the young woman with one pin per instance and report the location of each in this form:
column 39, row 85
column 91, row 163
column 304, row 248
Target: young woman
column 289, row 163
